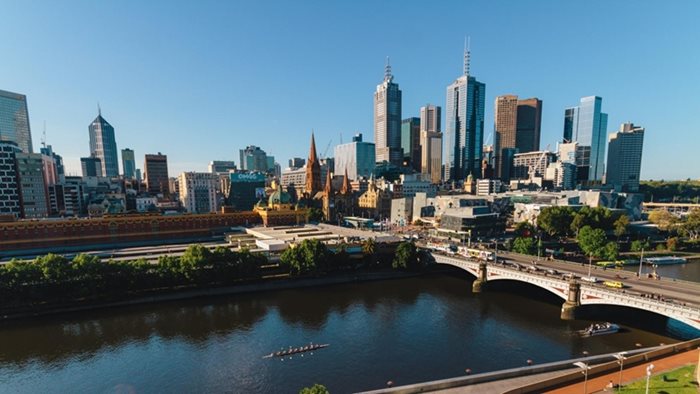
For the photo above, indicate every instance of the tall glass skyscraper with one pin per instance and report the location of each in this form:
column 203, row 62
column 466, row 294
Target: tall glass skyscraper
column 14, row 120
column 586, row 124
column 128, row 163
column 103, row 145
column 387, row 120
column 464, row 125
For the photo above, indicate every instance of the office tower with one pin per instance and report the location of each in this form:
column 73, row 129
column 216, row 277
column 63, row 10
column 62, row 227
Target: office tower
column 313, row 171
column 128, row 163
column 356, row 157
column 532, row 163
column 562, row 174
column 91, row 166
column 155, row 169
column 221, row 166
column 255, row 159
column 625, row 158
column 578, row 155
column 410, row 142
column 103, row 145
column 58, row 162
column 527, row 135
column 9, row 184
column 296, row 162
column 387, row 120
column 586, row 124
column 32, row 186
column 198, row 191
column 431, row 143
column 14, row 120
column 49, row 170
column 505, row 127
column 464, row 128
column 516, row 129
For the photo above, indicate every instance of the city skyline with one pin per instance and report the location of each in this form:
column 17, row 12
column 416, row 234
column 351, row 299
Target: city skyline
column 610, row 70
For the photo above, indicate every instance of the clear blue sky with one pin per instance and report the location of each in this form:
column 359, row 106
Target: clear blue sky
column 199, row 80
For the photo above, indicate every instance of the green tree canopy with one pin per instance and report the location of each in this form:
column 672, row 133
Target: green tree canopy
column 555, row 220
column 639, row 245
column 591, row 240
column 406, row 256
column 610, row 251
column 524, row 245
column 315, row 389
column 620, row 225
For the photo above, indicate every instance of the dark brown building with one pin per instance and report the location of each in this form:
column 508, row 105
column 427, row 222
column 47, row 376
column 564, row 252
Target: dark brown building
column 156, row 174
column 517, row 130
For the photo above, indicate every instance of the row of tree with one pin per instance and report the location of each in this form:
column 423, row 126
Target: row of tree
column 312, row 256
column 56, row 278
column 686, row 226
column 566, row 221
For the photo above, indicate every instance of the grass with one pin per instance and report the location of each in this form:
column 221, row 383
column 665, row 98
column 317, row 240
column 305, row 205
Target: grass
column 677, row 381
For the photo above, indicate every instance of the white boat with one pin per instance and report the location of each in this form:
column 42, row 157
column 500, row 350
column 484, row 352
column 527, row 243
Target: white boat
column 599, row 329
column 666, row 260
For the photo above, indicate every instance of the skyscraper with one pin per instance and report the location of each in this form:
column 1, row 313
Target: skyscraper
column 128, row 163
column 431, row 143
column 517, row 130
column 14, row 120
column 156, row 174
column 586, row 124
column 387, row 120
column 625, row 158
column 91, row 166
column 103, row 145
column 464, row 124
column 410, row 142
column 355, row 158
column 198, row 191
column 253, row 158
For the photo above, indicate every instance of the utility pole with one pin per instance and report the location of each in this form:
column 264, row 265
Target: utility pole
column 641, row 258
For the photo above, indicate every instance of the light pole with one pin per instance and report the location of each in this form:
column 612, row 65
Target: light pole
column 590, row 264
column 620, row 359
column 641, row 258
column 649, row 369
column 585, row 368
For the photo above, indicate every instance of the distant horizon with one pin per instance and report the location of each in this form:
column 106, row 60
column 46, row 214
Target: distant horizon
column 201, row 91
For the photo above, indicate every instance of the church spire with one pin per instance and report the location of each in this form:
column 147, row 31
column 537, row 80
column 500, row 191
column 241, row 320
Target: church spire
column 346, row 188
column 313, row 171
column 328, row 187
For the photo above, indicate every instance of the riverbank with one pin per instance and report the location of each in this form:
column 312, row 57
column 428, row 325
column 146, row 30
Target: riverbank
column 264, row 285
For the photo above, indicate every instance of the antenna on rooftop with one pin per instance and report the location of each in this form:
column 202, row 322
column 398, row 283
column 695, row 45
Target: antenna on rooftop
column 43, row 136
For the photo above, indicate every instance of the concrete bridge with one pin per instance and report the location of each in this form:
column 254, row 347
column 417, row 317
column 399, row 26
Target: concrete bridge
column 576, row 293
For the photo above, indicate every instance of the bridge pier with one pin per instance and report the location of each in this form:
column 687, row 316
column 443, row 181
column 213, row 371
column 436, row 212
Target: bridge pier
column 573, row 301
column 481, row 279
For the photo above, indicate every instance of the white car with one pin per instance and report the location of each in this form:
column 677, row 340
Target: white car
column 591, row 279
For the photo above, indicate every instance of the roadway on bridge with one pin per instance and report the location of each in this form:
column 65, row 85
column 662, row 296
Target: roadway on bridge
column 676, row 290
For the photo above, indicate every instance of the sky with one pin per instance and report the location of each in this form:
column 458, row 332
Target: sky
column 199, row 80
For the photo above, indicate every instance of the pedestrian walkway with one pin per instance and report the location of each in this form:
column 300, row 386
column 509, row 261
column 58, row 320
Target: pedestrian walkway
column 598, row 384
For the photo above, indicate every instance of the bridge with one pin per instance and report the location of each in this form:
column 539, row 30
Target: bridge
column 676, row 300
column 677, row 207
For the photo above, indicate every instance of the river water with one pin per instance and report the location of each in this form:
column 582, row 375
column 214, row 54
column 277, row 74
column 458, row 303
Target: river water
column 406, row 330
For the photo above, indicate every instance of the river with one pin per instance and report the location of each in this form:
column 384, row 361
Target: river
column 406, row 330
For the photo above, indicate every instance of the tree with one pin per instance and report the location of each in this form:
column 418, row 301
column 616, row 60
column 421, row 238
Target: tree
column 315, row 389
column 555, row 220
column 638, row 245
column 591, row 240
column 55, row 268
column 610, row 251
column 369, row 247
column 691, row 225
column 194, row 260
column 524, row 229
column 406, row 256
column 620, row 225
column 524, row 245
column 664, row 219
column 309, row 256
column 578, row 221
column 315, row 215
column 672, row 244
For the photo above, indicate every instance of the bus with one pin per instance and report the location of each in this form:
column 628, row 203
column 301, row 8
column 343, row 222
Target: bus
column 614, row 284
column 477, row 254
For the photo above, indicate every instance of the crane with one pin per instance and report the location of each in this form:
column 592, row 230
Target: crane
column 325, row 151
column 533, row 168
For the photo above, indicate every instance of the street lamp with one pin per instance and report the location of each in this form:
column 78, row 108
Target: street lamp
column 585, row 368
column 649, row 369
column 620, row 360
column 641, row 258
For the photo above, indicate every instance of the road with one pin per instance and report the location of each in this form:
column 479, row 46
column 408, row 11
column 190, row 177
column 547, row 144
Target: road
column 679, row 291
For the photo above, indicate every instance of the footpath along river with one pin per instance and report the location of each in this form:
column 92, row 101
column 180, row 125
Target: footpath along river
column 406, row 331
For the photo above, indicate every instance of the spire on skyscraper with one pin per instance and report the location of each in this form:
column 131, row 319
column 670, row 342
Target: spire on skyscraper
column 387, row 71
column 467, row 55
column 99, row 110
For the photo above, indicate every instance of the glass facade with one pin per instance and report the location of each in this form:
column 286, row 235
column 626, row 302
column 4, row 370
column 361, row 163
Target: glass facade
column 357, row 158
column 587, row 124
column 14, row 120
column 464, row 131
column 128, row 163
column 410, row 141
column 387, row 120
column 103, row 145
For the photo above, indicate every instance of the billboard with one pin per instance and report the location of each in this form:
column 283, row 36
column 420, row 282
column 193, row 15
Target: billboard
column 247, row 177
